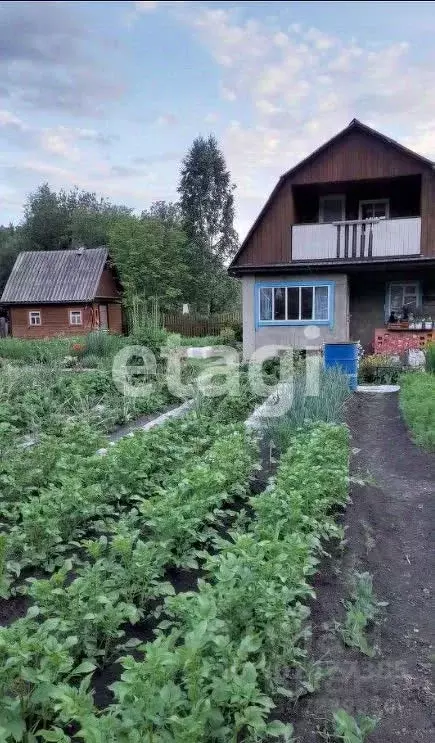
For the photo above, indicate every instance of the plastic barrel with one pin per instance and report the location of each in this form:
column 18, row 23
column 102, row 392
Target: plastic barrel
column 345, row 357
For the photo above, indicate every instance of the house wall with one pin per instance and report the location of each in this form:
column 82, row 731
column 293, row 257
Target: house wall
column 293, row 335
column 367, row 296
column 55, row 320
column 356, row 157
column 107, row 286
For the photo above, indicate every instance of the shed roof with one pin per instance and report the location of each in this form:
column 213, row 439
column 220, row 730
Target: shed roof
column 54, row 276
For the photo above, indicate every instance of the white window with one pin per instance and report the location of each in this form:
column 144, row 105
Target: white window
column 402, row 295
column 75, row 317
column 35, row 317
column 374, row 209
column 332, row 208
column 294, row 303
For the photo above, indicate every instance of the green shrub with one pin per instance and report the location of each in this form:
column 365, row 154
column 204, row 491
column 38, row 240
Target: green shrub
column 32, row 351
column 430, row 357
column 417, row 402
column 149, row 336
column 227, row 335
column 379, row 369
column 102, row 344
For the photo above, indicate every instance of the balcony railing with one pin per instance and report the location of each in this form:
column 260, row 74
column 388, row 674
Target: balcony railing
column 357, row 239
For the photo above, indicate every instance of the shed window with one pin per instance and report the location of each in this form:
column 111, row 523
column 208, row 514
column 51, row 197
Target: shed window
column 35, row 317
column 75, row 317
column 374, row 209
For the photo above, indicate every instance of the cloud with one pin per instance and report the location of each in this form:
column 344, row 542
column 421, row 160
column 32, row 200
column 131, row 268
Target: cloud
column 166, row 119
column 48, row 60
column 299, row 86
column 145, row 6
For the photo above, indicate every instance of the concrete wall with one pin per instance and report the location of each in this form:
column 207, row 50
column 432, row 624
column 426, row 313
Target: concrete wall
column 293, row 335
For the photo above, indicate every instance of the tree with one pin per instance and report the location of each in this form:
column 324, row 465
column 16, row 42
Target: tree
column 9, row 249
column 207, row 211
column 54, row 221
column 207, row 200
column 150, row 257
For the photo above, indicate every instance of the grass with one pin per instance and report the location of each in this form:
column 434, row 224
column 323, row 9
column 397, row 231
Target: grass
column 430, row 357
column 417, row 403
column 328, row 405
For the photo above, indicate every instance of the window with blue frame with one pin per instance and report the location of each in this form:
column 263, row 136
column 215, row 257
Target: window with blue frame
column 295, row 303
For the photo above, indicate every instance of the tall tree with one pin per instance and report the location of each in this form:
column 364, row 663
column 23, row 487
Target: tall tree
column 207, row 199
column 150, row 257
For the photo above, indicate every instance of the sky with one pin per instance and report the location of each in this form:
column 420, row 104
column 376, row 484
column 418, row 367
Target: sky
column 109, row 96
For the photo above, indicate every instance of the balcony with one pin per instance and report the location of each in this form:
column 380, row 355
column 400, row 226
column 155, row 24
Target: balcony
column 357, row 240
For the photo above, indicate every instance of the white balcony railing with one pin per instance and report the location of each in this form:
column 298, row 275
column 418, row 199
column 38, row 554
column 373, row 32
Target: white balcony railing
column 359, row 239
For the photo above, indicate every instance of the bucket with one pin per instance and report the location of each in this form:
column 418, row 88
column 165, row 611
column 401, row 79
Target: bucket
column 345, row 357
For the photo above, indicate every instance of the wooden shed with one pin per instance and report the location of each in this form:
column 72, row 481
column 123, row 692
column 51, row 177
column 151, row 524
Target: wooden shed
column 62, row 292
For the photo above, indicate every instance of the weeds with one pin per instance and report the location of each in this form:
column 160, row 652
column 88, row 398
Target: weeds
column 361, row 611
column 347, row 729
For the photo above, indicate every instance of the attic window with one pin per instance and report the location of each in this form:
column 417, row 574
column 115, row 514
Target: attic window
column 35, row 317
column 332, row 208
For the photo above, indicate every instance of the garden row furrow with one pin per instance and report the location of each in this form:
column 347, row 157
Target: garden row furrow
column 81, row 621
column 221, row 652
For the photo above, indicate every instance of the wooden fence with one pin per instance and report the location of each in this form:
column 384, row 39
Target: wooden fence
column 197, row 325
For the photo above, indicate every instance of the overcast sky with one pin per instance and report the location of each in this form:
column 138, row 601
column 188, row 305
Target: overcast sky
column 109, row 95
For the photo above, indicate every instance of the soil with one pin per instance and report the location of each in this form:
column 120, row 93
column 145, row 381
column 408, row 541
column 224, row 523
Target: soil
column 388, row 529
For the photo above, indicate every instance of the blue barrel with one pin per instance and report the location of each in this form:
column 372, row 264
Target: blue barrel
column 345, row 357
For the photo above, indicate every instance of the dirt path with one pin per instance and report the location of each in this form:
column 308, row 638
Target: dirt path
column 390, row 524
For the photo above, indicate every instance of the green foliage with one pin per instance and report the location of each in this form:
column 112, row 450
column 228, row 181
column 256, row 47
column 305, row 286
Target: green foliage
column 207, row 211
column 361, row 611
column 61, row 220
column 151, row 257
column 430, row 357
column 348, row 729
column 328, row 404
column 35, row 351
column 379, row 369
column 417, row 403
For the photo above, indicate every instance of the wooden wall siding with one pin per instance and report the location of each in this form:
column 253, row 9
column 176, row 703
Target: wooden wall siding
column 271, row 240
column 55, row 320
column 359, row 157
column 428, row 214
column 114, row 315
column 107, row 286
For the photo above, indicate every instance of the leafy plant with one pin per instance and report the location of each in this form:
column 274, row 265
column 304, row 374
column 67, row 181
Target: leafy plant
column 430, row 357
column 348, row 729
column 361, row 611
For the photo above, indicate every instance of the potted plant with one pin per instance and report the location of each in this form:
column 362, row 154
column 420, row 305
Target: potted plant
column 418, row 325
column 428, row 324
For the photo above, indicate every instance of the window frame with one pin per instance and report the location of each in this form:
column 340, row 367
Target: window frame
column 337, row 196
column 363, row 202
column 72, row 312
column 259, row 285
column 30, row 317
column 402, row 284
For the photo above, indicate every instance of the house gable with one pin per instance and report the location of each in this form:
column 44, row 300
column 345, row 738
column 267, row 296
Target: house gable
column 356, row 153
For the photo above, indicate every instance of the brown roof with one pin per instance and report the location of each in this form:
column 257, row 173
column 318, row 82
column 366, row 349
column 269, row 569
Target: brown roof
column 354, row 125
column 51, row 276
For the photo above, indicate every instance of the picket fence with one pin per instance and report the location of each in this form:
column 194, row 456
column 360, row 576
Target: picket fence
column 192, row 325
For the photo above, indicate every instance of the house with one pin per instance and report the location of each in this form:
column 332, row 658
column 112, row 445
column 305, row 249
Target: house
column 344, row 244
column 62, row 292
